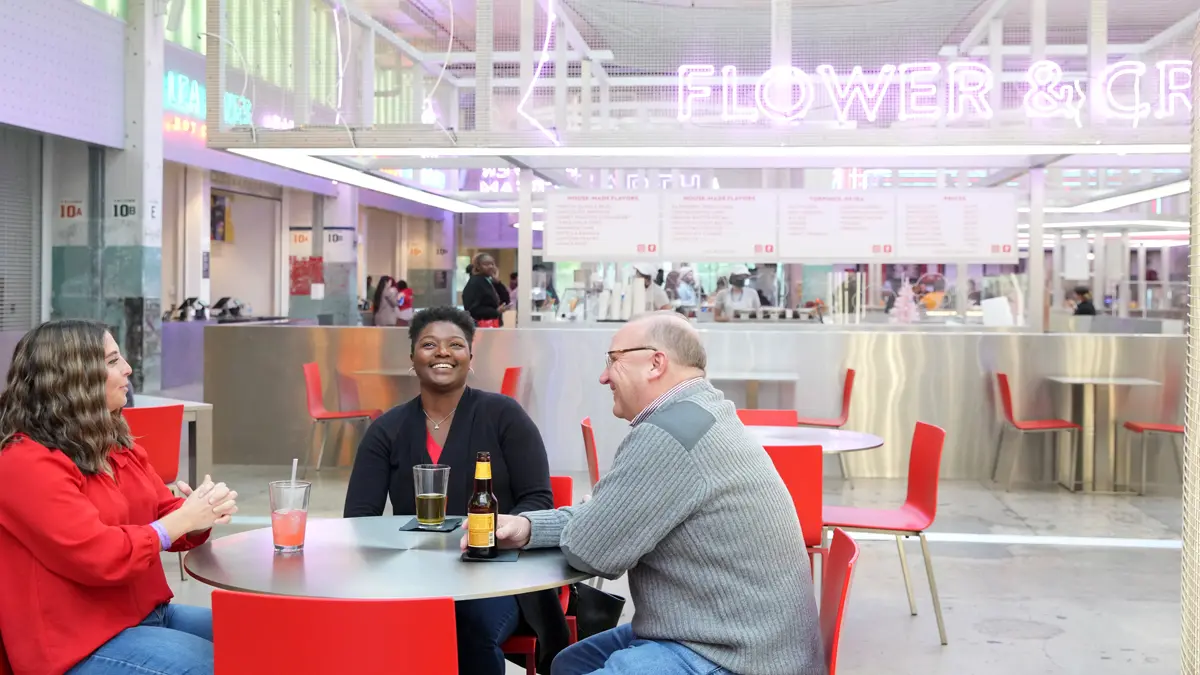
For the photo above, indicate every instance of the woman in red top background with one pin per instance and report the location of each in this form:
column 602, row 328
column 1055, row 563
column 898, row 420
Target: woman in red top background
column 84, row 519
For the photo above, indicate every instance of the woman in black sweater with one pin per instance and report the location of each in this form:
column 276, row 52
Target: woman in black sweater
column 447, row 424
column 479, row 296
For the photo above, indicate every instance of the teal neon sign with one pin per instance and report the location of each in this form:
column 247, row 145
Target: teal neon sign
column 184, row 96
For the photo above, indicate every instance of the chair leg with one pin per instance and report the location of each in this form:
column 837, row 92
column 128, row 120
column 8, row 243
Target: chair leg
column 1142, row 488
column 1012, row 471
column 182, row 576
column 1076, row 437
column 845, row 470
column 324, row 440
column 912, row 602
column 937, row 603
column 531, row 663
column 1177, row 452
column 312, row 433
column 996, row 461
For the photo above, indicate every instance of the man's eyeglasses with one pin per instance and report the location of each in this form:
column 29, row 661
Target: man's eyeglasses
column 611, row 357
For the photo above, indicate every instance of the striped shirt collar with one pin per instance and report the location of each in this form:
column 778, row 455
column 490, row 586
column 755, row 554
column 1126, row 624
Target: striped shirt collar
column 663, row 398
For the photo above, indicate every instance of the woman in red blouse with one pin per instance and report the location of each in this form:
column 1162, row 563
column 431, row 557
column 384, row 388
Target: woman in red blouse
column 84, row 518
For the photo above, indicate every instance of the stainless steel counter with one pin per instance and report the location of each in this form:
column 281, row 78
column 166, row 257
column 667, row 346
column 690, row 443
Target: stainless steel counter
column 253, row 378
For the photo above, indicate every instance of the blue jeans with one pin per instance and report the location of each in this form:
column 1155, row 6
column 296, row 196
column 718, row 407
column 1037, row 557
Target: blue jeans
column 619, row 652
column 173, row 640
column 484, row 625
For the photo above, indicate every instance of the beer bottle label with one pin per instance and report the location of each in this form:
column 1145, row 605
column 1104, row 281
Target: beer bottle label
column 483, row 471
column 481, row 530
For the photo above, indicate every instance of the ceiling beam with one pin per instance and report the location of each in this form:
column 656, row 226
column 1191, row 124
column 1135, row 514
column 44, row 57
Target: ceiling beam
column 1079, row 50
column 365, row 20
column 980, row 30
column 1180, row 29
column 468, row 58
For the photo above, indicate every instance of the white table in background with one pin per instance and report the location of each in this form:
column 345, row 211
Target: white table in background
column 197, row 423
column 386, row 372
column 1098, row 468
column 752, row 381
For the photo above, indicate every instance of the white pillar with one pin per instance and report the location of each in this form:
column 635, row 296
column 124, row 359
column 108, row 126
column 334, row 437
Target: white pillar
column 1099, row 269
column 302, row 102
column 1123, row 289
column 1141, row 285
column 1097, row 50
column 484, row 39
column 1056, row 277
column 133, row 187
column 196, row 237
column 585, row 95
column 1036, row 266
column 525, row 249
column 561, row 66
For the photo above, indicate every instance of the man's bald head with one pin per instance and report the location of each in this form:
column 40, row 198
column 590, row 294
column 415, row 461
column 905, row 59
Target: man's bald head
column 674, row 335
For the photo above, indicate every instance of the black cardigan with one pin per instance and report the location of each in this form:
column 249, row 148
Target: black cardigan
column 483, row 422
column 480, row 299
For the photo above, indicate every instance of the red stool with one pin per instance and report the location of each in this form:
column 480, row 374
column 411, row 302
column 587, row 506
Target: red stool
column 526, row 645
column 1147, row 428
column 836, row 422
column 835, row 590
column 159, row 431
column 913, row 518
column 315, row 400
column 511, row 383
column 1051, row 427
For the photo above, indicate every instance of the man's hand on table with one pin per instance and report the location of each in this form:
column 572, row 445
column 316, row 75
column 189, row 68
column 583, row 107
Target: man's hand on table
column 511, row 532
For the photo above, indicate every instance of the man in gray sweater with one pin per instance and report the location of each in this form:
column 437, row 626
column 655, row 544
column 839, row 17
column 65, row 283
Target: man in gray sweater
column 695, row 512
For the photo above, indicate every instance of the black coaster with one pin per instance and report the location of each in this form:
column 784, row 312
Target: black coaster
column 509, row 555
column 449, row 525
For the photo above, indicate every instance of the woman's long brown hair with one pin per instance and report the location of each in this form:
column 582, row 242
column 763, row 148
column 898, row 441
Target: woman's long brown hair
column 56, row 394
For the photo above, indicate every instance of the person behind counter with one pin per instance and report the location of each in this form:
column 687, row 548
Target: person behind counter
column 84, row 518
column 386, row 302
column 737, row 296
column 1083, row 302
column 404, row 303
column 656, row 297
column 448, row 423
column 479, row 296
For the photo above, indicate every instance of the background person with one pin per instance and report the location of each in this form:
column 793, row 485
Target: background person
column 1083, row 302
column 404, row 303
column 386, row 303
column 695, row 512
column 84, row 519
column 656, row 297
column 479, row 296
column 447, row 423
column 736, row 297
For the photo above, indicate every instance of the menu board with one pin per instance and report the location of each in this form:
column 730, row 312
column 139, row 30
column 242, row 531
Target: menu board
column 601, row 225
column 836, row 225
column 956, row 225
column 720, row 225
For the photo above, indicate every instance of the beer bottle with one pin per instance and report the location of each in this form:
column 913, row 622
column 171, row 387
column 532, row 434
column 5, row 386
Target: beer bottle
column 482, row 511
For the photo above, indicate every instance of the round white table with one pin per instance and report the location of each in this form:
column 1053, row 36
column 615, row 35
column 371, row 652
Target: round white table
column 370, row 558
column 831, row 440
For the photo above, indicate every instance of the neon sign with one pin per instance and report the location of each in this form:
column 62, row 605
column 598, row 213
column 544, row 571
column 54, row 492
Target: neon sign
column 786, row 94
column 184, row 96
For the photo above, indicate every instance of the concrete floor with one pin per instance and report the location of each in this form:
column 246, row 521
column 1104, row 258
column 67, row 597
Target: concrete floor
column 1034, row 582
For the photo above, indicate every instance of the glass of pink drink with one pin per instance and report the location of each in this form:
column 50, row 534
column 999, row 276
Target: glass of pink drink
column 289, row 514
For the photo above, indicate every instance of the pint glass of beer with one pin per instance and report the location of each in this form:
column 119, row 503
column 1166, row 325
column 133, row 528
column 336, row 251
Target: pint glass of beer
column 430, row 482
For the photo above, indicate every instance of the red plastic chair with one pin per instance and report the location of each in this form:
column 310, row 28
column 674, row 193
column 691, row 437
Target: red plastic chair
column 768, row 418
column 159, row 430
column 589, row 449
column 5, row 668
column 836, row 422
column 835, row 590
column 1051, row 427
column 1145, row 429
column 511, row 383
column 315, row 399
column 912, row 519
column 255, row 634
column 800, row 468
column 526, row 645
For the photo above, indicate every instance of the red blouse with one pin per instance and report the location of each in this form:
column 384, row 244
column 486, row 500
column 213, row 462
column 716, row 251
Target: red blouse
column 432, row 447
column 79, row 561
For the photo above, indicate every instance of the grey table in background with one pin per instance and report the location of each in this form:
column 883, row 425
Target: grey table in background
column 197, row 421
column 370, row 558
column 752, row 381
column 831, row 440
column 1097, row 465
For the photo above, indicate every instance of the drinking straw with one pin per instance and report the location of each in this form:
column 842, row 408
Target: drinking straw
column 294, row 462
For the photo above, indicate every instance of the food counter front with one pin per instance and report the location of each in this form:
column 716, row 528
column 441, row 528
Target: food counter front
column 946, row 377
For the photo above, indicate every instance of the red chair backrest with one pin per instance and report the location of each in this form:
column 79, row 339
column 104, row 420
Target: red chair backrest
column 314, row 399
column 1005, row 397
column 800, row 466
column 589, row 449
column 254, row 634
column 511, row 382
column 563, row 488
column 159, row 431
column 847, row 390
column 924, row 465
column 769, row 418
column 838, row 567
column 5, row 669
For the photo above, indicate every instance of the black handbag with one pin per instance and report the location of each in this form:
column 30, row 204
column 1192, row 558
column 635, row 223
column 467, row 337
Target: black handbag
column 594, row 610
